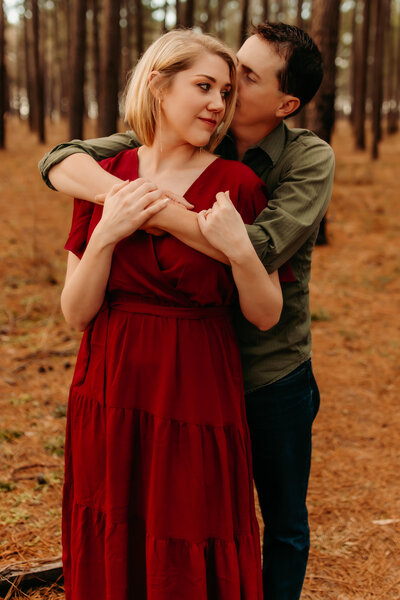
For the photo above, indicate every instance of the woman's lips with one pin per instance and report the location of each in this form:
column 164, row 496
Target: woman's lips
column 209, row 122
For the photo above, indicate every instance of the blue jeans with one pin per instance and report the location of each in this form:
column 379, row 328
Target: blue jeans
column 280, row 417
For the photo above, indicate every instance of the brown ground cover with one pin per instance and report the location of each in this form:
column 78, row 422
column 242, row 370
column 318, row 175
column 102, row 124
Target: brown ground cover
column 354, row 498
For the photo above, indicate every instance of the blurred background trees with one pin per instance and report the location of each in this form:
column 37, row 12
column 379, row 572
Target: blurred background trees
column 69, row 59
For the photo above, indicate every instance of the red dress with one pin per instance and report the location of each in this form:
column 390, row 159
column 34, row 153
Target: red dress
column 158, row 495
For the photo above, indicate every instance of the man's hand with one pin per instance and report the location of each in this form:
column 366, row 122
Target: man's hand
column 223, row 227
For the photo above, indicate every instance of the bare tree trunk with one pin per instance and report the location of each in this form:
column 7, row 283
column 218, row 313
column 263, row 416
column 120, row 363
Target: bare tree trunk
column 397, row 83
column 139, row 27
column 299, row 19
column 3, row 76
column 189, row 14
column 38, row 73
column 96, row 47
column 208, row 12
column 219, row 26
column 377, row 91
column 77, row 81
column 178, row 10
column 30, row 80
column 353, row 63
column 324, row 31
column 361, row 79
column 108, row 107
column 265, row 7
column 392, row 116
column 244, row 22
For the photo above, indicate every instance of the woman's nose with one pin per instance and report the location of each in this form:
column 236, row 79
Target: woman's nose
column 216, row 102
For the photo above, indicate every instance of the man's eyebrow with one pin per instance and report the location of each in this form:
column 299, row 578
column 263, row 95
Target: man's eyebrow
column 249, row 70
column 212, row 79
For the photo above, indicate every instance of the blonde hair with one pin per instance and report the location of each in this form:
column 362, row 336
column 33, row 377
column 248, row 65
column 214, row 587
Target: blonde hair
column 172, row 53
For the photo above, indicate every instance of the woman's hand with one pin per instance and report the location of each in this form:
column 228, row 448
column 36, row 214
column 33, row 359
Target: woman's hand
column 126, row 207
column 223, row 227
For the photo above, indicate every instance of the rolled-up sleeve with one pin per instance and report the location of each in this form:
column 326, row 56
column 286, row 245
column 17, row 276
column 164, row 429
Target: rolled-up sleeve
column 296, row 205
column 98, row 148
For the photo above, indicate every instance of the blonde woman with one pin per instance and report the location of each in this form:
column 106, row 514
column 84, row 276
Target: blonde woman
column 158, row 495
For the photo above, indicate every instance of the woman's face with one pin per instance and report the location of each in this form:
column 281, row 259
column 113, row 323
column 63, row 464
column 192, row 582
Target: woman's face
column 194, row 104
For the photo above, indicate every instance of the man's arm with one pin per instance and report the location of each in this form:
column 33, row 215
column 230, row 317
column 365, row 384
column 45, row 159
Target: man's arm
column 97, row 149
column 296, row 205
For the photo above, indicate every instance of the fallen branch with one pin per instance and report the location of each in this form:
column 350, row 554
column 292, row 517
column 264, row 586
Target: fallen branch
column 32, row 574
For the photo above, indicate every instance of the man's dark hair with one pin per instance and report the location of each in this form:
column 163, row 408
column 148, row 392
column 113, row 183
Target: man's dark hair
column 303, row 70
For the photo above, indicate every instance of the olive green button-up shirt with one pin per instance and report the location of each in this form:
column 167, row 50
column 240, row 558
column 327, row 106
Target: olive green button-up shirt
column 297, row 168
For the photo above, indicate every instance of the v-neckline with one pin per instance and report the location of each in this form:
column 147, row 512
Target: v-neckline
column 189, row 189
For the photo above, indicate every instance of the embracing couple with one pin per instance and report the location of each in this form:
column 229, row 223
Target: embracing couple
column 191, row 286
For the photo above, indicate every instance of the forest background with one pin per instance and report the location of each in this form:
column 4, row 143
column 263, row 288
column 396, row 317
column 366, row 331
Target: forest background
column 63, row 68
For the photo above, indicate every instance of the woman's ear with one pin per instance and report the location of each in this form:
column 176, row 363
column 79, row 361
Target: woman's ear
column 154, row 84
column 288, row 105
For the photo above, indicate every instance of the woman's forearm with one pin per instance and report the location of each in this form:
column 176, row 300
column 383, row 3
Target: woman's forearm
column 85, row 286
column 79, row 175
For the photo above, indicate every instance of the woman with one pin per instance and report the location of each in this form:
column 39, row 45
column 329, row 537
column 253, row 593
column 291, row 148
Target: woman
column 158, row 495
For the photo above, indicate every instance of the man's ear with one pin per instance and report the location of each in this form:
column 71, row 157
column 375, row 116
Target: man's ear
column 288, row 105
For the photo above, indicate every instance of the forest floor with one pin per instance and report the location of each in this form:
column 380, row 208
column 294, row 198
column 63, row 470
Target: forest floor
column 354, row 498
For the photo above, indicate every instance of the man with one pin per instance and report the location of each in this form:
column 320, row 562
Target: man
column 280, row 70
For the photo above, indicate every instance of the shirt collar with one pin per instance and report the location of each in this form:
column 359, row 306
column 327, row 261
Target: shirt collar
column 274, row 143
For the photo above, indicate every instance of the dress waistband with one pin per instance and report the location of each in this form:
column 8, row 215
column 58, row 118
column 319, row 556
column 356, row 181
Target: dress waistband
column 135, row 304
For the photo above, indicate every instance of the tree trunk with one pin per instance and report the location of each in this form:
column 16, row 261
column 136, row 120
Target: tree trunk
column 108, row 107
column 139, row 27
column 244, row 23
column 77, row 81
column 38, row 74
column 377, row 91
column 178, row 10
column 299, row 19
column 392, row 69
column 3, row 77
column 208, row 12
column 361, row 79
column 265, row 7
column 321, row 113
column 397, row 81
column 30, row 80
column 219, row 26
column 353, row 62
column 189, row 14
column 325, row 29
column 96, row 47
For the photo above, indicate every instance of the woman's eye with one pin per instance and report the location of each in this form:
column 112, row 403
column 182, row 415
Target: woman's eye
column 250, row 79
column 204, row 86
column 225, row 94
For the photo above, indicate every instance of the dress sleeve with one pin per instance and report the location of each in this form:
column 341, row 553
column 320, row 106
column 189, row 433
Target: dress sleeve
column 78, row 235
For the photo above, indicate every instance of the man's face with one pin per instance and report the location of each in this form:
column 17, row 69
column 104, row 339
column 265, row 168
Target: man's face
column 259, row 96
